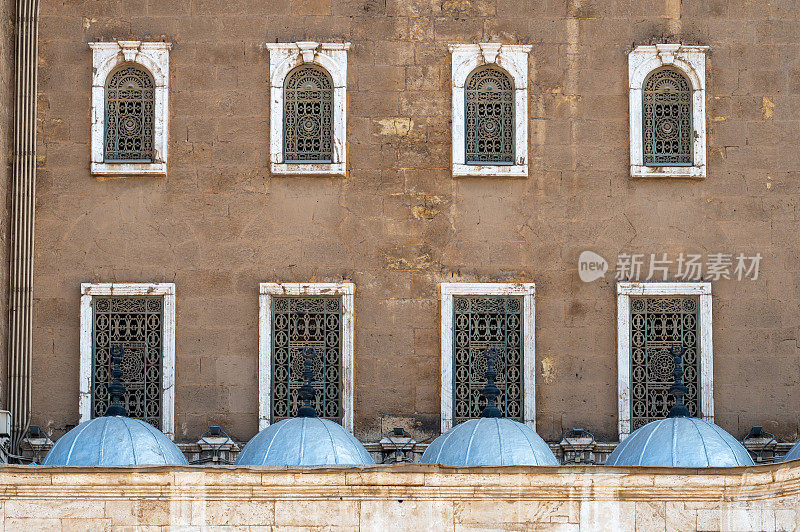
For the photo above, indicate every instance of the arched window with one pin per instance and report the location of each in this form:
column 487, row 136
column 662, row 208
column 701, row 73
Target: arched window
column 130, row 115
column 489, row 127
column 308, row 116
column 667, row 119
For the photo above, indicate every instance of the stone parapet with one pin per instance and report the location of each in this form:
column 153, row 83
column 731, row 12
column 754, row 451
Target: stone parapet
column 403, row 496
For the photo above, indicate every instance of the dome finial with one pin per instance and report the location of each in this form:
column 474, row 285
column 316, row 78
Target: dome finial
column 490, row 391
column 307, row 392
column 678, row 390
column 117, row 389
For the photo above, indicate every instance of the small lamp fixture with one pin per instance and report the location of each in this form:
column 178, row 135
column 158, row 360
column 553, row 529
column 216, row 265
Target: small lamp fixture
column 216, row 441
column 760, row 440
column 402, row 441
column 578, row 441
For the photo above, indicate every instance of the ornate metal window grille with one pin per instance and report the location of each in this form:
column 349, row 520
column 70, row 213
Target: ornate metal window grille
column 308, row 116
column 667, row 119
column 297, row 323
column 130, row 115
column 480, row 322
column 136, row 324
column 489, row 116
column 657, row 324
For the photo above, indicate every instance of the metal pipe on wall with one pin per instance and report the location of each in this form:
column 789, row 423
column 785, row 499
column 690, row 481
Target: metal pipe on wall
column 23, row 198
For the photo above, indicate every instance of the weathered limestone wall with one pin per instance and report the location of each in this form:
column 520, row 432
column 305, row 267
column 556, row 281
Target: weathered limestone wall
column 398, row 224
column 403, row 497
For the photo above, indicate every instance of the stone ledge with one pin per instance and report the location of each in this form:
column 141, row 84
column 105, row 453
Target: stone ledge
column 407, row 481
column 409, row 496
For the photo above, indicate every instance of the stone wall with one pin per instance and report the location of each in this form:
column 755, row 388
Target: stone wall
column 402, row 497
column 398, row 224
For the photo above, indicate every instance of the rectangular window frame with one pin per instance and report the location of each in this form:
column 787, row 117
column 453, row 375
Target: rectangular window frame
column 154, row 57
column 167, row 291
column 625, row 290
column 267, row 291
column 528, row 293
column 513, row 58
column 691, row 61
column 283, row 59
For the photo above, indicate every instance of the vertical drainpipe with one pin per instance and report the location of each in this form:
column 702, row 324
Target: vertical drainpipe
column 23, row 202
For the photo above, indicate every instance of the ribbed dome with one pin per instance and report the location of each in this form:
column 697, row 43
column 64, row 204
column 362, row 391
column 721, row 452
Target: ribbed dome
column 112, row 441
column 304, row 441
column 489, row 442
column 680, row 442
column 794, row 452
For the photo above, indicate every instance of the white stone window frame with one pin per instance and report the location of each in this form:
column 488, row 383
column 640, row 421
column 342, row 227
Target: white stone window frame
column 528, row 293
column 283, row 59
column 167, row 291
column 689, row 60
column 153, row 57
column 513, row 59
column 624, row 292
column 267, row 291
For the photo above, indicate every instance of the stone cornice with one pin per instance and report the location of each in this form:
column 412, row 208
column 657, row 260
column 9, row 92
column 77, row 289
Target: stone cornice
column 402, row 481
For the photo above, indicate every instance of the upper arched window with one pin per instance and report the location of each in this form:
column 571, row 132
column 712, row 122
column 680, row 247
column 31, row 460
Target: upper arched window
column 308, row 116
column 489, row 117
column 667, row 119
column 130, row 115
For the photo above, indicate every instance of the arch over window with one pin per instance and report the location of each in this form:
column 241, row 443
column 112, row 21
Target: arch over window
column 489, row 117
column 308, row 116
column 667, row 95
column 130, row 115
column 667, row 119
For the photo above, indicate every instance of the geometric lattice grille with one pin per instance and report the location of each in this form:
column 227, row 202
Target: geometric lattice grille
column 667, row 119
column 308, row 116
column 482, row 322
column 130, row 113
column 657, row 324
column 489, row 117
column 135, row 324
column 297, row 323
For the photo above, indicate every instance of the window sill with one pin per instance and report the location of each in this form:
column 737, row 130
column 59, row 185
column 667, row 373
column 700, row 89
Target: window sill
column 129, row 169
column 318, row 169
column 490, row 170
column 688, row 172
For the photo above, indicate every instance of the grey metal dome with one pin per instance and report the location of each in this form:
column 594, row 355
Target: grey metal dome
column 489, row 442
column 304, row 441
column 112, row 441
column 680, row 442
column 794, row 452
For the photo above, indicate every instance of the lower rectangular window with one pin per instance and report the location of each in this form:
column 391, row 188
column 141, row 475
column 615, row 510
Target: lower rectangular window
column 481, row 323
column 134, row 324
column 299, row 323
column 656, row 325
